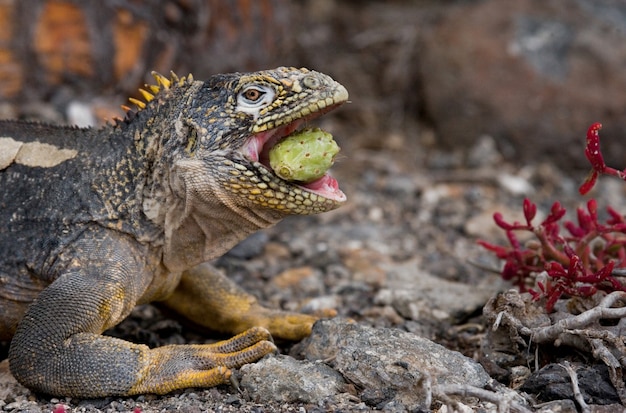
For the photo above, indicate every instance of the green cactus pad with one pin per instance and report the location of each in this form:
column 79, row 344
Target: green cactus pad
column 304, row 156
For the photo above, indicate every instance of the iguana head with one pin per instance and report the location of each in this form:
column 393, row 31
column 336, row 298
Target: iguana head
column 210, row 144
column 278, row 103
column 229, row 124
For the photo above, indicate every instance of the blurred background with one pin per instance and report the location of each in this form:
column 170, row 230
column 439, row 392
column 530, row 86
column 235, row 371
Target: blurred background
column 429, row 80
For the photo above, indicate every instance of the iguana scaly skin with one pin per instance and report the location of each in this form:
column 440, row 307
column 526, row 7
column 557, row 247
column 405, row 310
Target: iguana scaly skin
column 95, row 222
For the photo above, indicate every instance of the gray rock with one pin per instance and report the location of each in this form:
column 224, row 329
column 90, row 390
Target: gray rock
column 553, row 383
column 286, row 380
column 389, row 365
column 417, row 295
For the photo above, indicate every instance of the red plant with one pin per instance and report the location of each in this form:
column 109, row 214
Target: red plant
column 594, row 155
column 579, row 264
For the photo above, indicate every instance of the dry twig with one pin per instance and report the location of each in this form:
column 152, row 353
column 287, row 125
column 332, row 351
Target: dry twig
column 577, row 393
column 504, row 403
column 585, row 333
column 602, row 311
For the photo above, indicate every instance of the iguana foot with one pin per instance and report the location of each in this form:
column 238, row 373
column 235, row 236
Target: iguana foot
column 284, row 324
column 208, row 298
column 203, row 365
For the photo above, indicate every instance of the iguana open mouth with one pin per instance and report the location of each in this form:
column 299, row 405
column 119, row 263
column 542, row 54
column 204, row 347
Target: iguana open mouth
column 259, row 145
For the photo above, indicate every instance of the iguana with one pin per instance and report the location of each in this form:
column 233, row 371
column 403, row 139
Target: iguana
column 97, row 221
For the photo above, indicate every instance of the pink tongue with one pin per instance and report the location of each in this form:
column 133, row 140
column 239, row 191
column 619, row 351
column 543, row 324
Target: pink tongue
column 326, row 186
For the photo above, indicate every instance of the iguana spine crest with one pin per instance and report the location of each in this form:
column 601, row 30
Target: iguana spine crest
column 163, row 83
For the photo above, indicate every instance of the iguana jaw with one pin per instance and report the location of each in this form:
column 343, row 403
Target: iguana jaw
column 257, row 151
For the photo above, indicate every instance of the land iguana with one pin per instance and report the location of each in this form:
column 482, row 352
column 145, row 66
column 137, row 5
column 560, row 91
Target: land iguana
column 97, row 221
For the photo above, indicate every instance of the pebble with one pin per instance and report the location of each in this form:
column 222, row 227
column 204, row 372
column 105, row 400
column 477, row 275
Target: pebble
column 515, row 185
column 484, row 153
column 286, row 380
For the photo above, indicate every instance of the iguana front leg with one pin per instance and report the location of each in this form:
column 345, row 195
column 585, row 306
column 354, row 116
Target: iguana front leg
column 58, row 347
column 208, row 298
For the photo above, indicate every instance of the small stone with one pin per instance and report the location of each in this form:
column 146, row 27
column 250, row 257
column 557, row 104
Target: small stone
column 320, row 303
column 365, row 265
column 294, row 276
column 484, row 153
column 233, row 400
column 286, row 380
column 516, row 185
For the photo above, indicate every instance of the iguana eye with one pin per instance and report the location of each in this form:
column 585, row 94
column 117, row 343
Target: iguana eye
column 255, row 97
column 253, row 94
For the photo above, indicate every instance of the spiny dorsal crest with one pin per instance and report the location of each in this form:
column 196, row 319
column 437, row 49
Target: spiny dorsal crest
column 163, row 83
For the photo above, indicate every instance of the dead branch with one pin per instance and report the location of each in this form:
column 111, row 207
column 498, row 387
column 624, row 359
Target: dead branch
column 601, row 352
column 505, row 403
column 584, row 332
column 577, row 393
column 601, row 311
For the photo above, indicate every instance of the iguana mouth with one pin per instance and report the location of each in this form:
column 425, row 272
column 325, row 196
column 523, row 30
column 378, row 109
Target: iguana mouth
column 257, row 151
